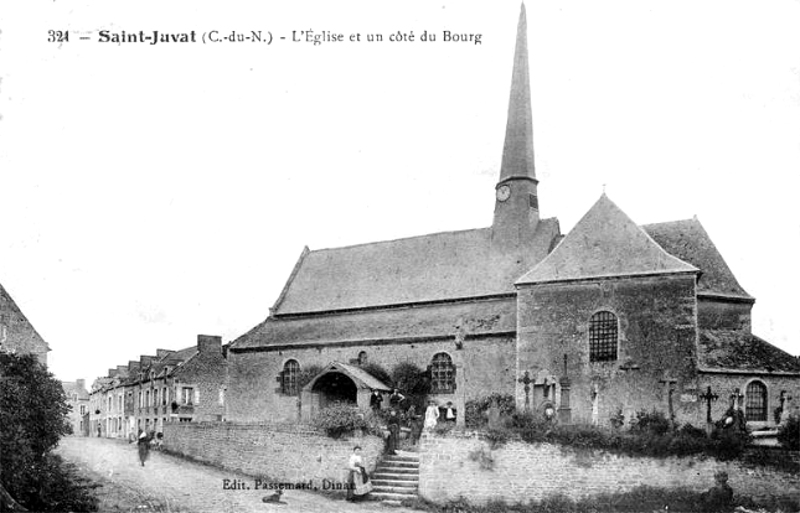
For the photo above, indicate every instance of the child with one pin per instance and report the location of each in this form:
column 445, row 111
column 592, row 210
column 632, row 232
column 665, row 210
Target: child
column 450, row 413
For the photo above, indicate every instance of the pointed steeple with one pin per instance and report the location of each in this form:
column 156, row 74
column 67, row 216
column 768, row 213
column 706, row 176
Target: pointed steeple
column 518, row 147
column 516, row 209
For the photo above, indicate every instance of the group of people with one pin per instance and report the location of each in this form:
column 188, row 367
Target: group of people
column 400, row 416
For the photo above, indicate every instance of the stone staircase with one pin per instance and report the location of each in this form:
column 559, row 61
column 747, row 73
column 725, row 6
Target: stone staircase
column 396, row 478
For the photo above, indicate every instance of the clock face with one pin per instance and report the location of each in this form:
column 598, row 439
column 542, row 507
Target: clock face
column 503, row 193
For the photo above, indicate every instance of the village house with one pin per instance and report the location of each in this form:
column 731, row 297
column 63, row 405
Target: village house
column 17, row 334
column 173, row 386
column 610, row 319
column 78, row 402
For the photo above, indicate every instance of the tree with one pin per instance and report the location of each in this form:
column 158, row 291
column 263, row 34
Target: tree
column 33, row 417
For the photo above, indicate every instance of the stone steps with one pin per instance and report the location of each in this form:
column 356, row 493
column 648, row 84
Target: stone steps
column 396, row 478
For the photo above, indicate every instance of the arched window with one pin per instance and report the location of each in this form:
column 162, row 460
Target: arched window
column 443, row 374
column 755, row 402
column 291, row 369
column 603, row 337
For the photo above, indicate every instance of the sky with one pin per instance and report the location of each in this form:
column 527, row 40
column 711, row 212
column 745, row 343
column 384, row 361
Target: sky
column 150, row 193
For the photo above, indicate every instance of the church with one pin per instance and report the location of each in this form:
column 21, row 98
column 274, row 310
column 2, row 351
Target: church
column 604, row 321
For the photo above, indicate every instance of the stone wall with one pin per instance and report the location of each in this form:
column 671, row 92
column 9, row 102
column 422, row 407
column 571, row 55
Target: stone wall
column 254, row 394
column 522, row 472
column 279, row 453
column 657, row 341
column 724, row 384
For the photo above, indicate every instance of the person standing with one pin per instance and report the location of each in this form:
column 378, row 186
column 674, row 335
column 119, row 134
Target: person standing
column 393, row 424
column 375, row 400
column 357, row 480
column 396, row 399
column 143, row 445
column 450, row 414
column 431, row 416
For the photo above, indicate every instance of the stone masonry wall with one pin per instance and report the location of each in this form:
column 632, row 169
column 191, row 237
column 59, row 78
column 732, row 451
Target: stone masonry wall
column 279, row 453
column 488, row 366
column 657, row 342
column 524, row 472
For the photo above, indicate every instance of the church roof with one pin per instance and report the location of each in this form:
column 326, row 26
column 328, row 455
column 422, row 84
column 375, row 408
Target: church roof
column 605, row 243
column 441, row 266
column 740, row 351
column 687, row 240
column 409, row 324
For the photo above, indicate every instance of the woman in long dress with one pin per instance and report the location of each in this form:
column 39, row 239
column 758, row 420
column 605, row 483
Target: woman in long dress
column 144, row 446
column 431, row 416
column 358, row 481
column 393, row 424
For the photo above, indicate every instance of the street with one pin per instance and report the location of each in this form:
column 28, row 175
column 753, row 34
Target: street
column 171, row 484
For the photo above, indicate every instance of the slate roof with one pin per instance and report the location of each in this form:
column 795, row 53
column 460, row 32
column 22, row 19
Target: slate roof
column 687, row 240
column 71, row 387
column 438, row 320
column 604, row 243
column 740, row 350
column 439, row 266
column 362, row 378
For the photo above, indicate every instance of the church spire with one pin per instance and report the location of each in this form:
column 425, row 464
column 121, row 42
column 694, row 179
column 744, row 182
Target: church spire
column 516, row 209
column 518, row 147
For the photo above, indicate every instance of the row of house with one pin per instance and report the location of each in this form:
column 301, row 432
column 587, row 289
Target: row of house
column 171, row 386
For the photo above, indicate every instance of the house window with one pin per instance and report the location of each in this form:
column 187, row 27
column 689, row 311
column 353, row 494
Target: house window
column 147, row 398
column 755, row 402
column 603, row 337
column 163, row 396
column 289, row 378
column 187, row 395
column 443, row 374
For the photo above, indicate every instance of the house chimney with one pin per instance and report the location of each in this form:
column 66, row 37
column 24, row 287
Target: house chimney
column 122, row 370
column 209, row 344
column 133, row 366
column 112, row 373
column 145, row 360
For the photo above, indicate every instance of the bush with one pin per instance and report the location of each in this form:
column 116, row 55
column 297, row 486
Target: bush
column 306, row 375
column 654, row 422
column 378, row 372
column 414, row 382
column 789, row 434
column 340, row 420
column 475, row 410
column 33, row 416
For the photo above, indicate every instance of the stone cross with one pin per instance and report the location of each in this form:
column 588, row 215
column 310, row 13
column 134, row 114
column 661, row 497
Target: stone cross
column 526, row 380
column 708, row 397
column 670, row 382
column 736, row 396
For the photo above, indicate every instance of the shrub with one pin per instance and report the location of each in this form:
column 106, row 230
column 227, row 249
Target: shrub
column 475, row 414
column 378, row 372
column 306, row 375
column 789, row 433
column 414, row 382
column 33, row 416
column 654, row 422
column 340, row 419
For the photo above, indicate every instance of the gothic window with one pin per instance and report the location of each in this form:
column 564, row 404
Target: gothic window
column 443, row 374
column 291, row 369
column 603, row 337
column 755, row 402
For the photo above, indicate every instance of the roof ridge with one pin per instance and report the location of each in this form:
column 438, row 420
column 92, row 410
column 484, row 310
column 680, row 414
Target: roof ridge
column 388, row 241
